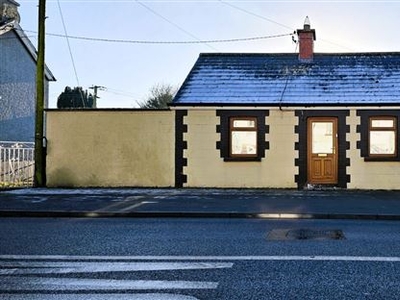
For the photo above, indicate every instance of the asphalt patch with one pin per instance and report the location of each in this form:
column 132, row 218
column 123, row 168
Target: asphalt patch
column 305, row 234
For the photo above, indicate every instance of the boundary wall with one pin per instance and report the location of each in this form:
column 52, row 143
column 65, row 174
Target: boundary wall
column 110, row 148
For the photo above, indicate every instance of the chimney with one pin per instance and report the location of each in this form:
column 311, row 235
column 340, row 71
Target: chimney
column 306, row 41
column 9, row 11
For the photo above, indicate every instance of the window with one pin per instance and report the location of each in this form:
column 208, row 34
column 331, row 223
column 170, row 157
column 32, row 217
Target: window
column 382, row 136
column 322, row 141
column 243, row 137
column 379, row 137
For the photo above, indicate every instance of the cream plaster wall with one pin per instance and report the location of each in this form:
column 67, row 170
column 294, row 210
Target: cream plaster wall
column 110, row 148
column 368, row 174
column 207, row 169
column 117, row 148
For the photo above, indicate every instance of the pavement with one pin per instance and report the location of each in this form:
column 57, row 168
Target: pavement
column 201, row 203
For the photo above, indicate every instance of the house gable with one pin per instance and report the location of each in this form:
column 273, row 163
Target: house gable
column 18, row 84
column 12, row 32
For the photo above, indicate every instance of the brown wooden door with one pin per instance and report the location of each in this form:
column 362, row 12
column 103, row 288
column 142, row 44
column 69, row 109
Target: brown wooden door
column 322, row 161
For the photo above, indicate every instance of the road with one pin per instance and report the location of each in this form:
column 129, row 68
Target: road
column 189, row 259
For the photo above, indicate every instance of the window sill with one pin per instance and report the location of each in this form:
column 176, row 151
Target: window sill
column 381, row 159
column 239, row 159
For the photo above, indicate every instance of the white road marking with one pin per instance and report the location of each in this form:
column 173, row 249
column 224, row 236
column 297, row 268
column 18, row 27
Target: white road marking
column 116, row 204
column 81, row 284
column 203, row 258
column 124, row 296
column 285, row 216
column 39, row 200
column 24, row 275
column 119, row 206
column 35, row 267
column 134, row 198
column 137, row 205
column 17, row 275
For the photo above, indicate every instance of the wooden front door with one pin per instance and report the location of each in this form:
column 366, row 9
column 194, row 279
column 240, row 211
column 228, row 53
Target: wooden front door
column 322, row 152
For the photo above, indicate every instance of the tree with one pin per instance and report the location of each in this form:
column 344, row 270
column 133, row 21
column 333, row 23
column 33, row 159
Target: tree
column 75, row 98
column 160, row 96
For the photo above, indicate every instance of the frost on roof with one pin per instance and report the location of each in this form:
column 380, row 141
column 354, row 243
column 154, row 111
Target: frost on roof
column 268, row 79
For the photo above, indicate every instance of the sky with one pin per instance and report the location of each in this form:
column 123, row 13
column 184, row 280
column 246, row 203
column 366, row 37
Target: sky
column 121, row 45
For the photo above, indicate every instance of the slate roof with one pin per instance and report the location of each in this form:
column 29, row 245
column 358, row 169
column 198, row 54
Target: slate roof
column 281, row 79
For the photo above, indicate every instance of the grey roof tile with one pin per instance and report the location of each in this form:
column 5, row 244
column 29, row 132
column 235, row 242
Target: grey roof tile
column 273, row 79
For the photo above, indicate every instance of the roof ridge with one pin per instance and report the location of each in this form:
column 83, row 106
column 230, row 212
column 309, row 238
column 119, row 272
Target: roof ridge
column 376, row 53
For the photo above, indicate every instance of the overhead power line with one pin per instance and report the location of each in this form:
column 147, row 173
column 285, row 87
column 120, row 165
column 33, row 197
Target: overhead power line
column 69, row 46
column 254, row 14
column 275, row 22
column 123, row 41
column 170, row 22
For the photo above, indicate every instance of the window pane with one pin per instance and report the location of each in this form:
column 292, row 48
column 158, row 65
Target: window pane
column 322, row 139
column 244, row 142
column 382, row 142
column 244, row 123
column 382, row 123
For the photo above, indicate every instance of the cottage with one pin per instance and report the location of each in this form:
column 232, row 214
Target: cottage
column 248, row 121
column 286, row 120
column 17, row 77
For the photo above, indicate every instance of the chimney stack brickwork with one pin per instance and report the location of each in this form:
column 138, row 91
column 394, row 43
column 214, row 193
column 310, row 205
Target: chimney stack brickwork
column 306, row 41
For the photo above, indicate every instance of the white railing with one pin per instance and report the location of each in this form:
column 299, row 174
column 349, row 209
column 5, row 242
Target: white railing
column 17, row 164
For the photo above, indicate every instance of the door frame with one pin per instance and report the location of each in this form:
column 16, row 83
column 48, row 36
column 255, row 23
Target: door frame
column 301, row 145
column 324, row 158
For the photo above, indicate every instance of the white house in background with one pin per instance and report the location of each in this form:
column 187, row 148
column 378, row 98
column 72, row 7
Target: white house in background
column 17, row 77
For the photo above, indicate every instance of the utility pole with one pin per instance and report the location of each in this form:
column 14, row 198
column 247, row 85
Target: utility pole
column 95, row 88
column 40, row 157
